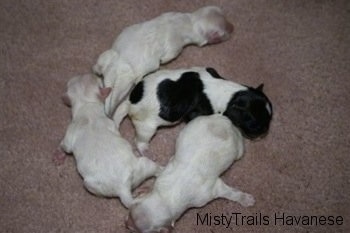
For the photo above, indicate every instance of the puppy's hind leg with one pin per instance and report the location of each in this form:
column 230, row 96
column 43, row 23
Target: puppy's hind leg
column 66, row 144
column 98, row 188
column 120, row 113
column 144, row 132
column 126, row 197
column 222, row 190
column 103, row 61
column 144, row 169
column 65, row 148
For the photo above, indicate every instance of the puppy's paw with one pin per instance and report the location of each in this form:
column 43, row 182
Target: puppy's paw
column 97, row 69
column 142, row 147
column 246, row 200
column 59, row 157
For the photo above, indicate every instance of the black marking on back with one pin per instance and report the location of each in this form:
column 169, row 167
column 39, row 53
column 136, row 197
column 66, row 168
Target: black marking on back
column 137, row 93
column 180, row 98
column 203, row 107
column 213, row 73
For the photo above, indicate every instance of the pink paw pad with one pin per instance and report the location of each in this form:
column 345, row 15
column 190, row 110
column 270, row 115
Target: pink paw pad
column 59, row 157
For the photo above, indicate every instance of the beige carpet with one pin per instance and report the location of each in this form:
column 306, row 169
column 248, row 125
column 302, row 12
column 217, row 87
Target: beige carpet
column 298, row 49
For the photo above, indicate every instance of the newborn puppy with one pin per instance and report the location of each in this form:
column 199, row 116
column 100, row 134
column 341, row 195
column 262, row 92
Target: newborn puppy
column 104, row 159
column 169, row 96
column 141, row 48
column 205, row 148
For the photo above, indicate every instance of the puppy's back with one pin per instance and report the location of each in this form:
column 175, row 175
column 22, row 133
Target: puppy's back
column 210, row 142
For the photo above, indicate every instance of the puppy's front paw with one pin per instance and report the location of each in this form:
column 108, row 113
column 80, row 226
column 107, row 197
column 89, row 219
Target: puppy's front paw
column 142, row 147
column 246, row 200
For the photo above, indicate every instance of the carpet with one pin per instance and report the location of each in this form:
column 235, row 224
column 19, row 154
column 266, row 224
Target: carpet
column 299, row 173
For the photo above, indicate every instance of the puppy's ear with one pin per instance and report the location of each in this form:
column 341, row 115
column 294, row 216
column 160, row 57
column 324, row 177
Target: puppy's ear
column 66, row 100
column 104, row 92
column 260, row 87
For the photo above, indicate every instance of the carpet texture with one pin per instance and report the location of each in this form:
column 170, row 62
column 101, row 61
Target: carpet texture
column 298, row 49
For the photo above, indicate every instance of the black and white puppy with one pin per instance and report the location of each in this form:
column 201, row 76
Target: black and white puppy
column 167, row 97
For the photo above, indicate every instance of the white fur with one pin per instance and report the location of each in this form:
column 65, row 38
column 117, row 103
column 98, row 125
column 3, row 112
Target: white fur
column 205, row 148
column 104, row 159
column 145, row 114
column 141, row 48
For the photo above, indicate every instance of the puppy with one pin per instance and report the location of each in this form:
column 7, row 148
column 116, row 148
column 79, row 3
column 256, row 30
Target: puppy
column 205, row 148
column 104, row 159
column 167, row 97
column 141, row 48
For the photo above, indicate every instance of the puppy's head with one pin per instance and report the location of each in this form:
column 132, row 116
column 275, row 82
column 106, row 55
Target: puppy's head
column 211, row 24
column 149, row 215
column 85, row 89
column 251, row 111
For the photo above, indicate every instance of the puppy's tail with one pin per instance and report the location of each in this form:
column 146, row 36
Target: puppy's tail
column 120, row 113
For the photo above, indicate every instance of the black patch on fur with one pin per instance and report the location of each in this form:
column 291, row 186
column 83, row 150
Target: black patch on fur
column 213, row 73
column 137, row 93
column 247, row 111
column 182, row 99
column 202, row 107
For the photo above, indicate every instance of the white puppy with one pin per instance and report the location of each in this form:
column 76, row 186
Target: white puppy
column 141, row 48
column 104, row 159
column 167, row 97
column 205, row 148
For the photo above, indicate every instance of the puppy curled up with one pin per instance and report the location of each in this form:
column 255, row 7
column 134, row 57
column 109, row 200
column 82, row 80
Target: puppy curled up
column 205, row 148
column 141, row 48
column 167, row 97
column 104, row 159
